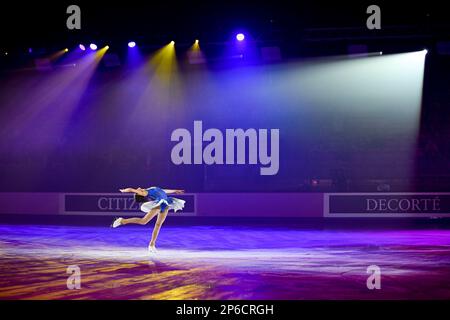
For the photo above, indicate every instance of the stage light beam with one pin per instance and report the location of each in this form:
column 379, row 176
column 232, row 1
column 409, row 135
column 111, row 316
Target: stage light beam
column 131, row 44
column 162, row 68
column 194, row 54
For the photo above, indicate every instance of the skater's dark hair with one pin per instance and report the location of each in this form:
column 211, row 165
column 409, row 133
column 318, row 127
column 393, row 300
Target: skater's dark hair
column 138, row 198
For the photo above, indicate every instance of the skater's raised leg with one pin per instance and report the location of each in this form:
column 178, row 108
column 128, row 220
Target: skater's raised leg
column 142, row 221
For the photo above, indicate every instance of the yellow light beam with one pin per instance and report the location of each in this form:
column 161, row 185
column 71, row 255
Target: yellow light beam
column 195, row 54
column 164, row 64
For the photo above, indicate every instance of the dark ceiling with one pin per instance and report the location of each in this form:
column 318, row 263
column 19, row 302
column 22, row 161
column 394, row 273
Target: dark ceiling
column 44, row 22
column 297, row 27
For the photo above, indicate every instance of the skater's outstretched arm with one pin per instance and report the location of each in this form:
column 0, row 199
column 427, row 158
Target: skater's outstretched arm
column 173, row 191
column 139, row 191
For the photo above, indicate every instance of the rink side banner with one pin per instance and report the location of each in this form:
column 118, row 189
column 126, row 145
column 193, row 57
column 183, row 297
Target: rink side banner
column 386, row 204
column 216, row 204
column 113, row 204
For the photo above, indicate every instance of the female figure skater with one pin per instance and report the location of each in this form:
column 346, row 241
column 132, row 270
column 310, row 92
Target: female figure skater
column 155, row 201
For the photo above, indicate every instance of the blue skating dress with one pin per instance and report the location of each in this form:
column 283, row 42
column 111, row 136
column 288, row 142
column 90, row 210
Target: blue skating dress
column 158, row 197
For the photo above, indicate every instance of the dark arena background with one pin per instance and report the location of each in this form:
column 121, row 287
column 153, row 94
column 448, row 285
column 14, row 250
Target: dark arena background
column 312, row 142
